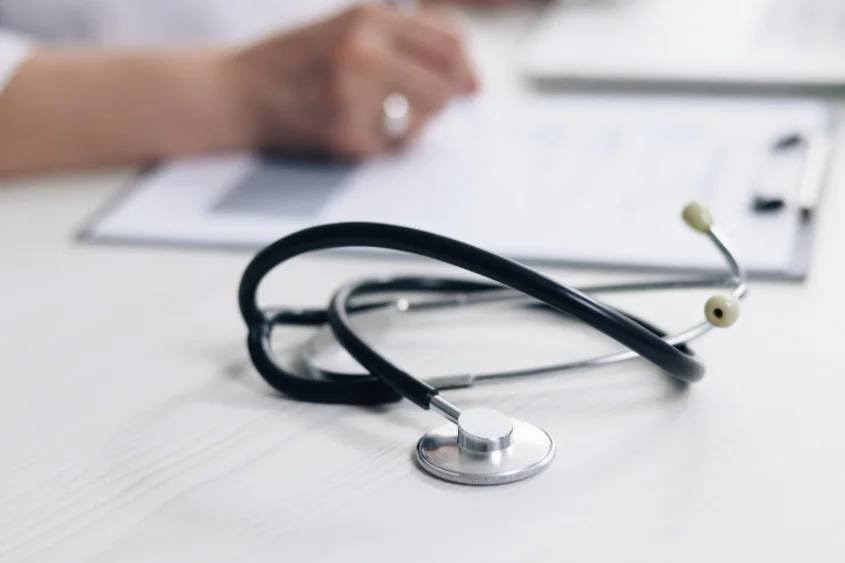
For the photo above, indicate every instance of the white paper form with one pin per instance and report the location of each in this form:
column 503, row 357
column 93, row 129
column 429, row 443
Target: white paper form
column 561, row 179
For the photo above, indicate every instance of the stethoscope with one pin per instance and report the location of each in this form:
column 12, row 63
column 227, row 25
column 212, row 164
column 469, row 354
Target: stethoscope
column 478, row 446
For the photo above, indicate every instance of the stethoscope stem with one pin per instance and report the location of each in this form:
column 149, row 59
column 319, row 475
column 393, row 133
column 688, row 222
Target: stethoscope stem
column 445, row 408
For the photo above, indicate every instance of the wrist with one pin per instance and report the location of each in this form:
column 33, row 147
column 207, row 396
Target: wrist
column 231, row 91
column 244, row 93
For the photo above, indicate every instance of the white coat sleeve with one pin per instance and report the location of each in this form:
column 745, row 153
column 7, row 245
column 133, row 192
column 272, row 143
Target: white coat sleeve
column 14, row 49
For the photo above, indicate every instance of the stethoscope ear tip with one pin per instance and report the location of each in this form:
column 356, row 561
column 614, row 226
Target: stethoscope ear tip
column 698, row 217
column 722, row 311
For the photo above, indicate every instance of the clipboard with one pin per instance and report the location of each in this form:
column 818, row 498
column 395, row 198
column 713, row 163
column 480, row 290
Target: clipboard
column 565, row 180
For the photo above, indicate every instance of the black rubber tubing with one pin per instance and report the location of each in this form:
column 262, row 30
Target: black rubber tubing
column 395, row 383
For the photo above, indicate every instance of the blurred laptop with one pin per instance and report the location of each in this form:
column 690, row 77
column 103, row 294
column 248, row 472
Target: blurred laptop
column 798, row 45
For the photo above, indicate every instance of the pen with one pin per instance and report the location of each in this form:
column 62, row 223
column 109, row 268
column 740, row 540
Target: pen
column 816, row 164
column 818, row 150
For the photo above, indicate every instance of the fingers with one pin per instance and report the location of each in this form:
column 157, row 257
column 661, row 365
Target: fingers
column 433, row 43
column 412, row 55
column 339, row 79
column 427, row 91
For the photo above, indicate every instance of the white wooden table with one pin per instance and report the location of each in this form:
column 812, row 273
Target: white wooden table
column 132, row 427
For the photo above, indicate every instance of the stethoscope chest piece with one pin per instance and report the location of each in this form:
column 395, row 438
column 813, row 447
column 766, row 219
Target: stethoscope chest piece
column 485, row 447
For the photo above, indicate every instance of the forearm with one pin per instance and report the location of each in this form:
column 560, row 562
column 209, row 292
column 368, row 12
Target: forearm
column 66, row 110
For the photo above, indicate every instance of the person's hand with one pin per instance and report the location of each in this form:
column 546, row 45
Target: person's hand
column 321, row 88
